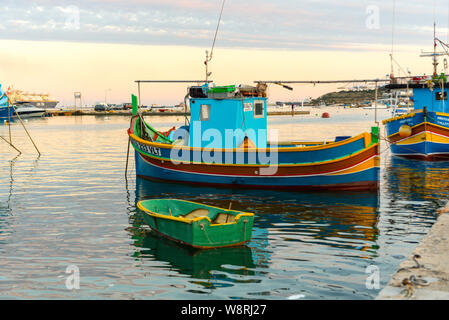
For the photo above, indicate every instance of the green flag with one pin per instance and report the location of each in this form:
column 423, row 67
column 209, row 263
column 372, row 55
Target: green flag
column 375, row 134
column 135, row 106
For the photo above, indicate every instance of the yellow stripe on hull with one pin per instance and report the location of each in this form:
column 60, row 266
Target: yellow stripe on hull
column 424, row 136
column 368, row 164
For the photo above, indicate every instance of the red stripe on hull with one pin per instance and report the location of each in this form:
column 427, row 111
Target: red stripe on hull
column 250, row 171
column 422, row 128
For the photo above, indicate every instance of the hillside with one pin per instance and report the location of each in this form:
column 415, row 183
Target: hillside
column 348, row 97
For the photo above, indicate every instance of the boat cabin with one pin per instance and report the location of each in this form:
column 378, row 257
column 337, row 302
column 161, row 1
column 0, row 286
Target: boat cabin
column 227, row 117
column 434, row 100
column 428, row 92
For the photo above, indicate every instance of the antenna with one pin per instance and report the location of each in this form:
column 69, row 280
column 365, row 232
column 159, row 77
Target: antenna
column 435, row 59
column 392, row 38
column 209, row 57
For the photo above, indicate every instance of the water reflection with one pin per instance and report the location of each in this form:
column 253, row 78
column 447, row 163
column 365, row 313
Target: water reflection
column 6, row 207
column 69, row 208
column 197, row 263
column 345, row 221
column 416, row 181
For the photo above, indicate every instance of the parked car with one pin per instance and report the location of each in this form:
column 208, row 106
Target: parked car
column 101, row 107
column 127, row 106
column 115, row 107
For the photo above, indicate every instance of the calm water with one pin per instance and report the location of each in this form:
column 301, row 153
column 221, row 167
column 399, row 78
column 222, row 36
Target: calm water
column 73, row 206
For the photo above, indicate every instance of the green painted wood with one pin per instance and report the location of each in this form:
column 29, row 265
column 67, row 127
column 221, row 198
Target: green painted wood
column 151, row 132
column 200, row 233
column 135, row 106
column 222, row 89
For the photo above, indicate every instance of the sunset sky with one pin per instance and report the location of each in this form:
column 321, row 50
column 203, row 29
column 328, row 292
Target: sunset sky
column 60, row 47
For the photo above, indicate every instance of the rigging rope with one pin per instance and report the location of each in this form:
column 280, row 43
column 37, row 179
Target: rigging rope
column 216, row 31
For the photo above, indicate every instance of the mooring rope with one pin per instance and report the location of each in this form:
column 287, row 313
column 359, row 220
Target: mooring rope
column 391, row 143
column 205, row 232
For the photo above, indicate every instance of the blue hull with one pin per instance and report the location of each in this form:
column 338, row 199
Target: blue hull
column 369, row 177
column 4, row 111
column 429, row 139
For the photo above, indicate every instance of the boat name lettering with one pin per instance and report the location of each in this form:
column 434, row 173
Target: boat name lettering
column 149, row 149
column 444, row 121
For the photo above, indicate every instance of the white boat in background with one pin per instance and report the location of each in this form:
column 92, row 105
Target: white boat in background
column 39, row 100
column 28, row 111
column 373, row 106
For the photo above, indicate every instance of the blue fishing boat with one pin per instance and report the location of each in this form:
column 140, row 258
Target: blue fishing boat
column 423, row 133
column 5, row 110
column 225, row 143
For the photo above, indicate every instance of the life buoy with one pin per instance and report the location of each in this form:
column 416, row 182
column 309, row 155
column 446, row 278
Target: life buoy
column 405, row 131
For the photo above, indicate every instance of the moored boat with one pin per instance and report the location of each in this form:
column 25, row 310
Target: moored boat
column 28, row 111
column 9, row 111
column 38, row 100
column 224, row 143
column 423, row 132
column 5, row 110
column 197, row 225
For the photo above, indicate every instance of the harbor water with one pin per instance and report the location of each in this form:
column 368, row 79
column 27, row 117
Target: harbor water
column 73, row 207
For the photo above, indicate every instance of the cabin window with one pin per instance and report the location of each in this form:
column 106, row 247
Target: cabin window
column 205, row 112
column 440, row 96
column 259, row 111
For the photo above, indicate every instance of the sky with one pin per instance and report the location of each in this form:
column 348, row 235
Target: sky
column 101, row 47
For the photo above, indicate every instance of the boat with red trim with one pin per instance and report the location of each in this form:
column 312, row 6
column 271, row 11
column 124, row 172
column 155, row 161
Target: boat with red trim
column 225, row 144
column 423, row 132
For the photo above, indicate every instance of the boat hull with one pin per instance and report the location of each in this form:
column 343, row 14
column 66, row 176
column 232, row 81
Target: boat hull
column 30, row 114
column 353, row 164
column 363, row 177
column 5, row 113
column 200, row 233
column 23, row 112
column 429, row 138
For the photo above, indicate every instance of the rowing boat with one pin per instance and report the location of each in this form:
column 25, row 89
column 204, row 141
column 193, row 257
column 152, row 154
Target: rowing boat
column 197, row 225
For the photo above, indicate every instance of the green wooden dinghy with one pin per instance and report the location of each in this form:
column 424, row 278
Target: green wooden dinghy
column 197, row 225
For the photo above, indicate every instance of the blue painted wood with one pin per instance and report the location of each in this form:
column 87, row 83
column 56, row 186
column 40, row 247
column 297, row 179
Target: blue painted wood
column 230, row 120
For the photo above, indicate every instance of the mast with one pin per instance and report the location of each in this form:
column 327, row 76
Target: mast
column 435, row 60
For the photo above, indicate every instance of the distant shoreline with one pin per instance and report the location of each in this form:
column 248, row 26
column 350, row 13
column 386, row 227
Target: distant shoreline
column 157, row 114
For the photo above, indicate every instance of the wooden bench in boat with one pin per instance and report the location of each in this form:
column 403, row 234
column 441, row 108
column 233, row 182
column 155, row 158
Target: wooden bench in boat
column 220, row 218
